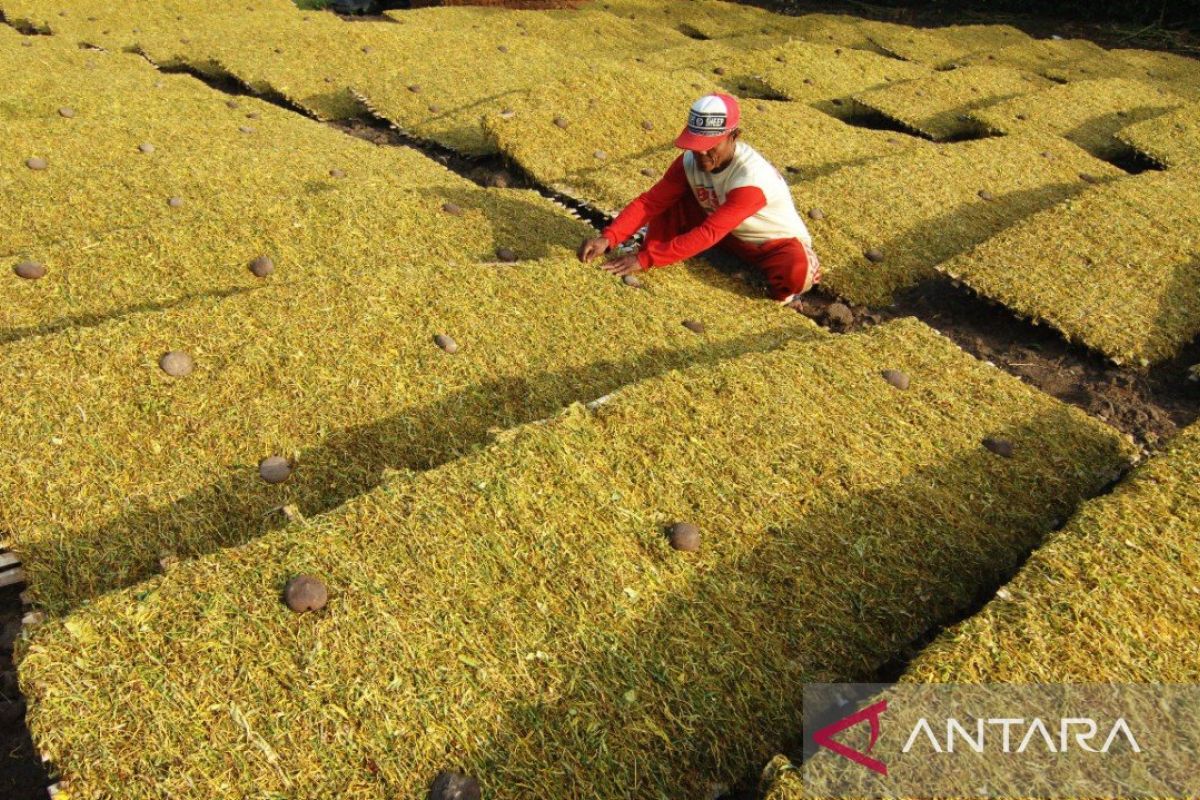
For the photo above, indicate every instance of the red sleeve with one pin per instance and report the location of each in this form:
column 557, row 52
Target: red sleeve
column 739, row 204
column 665, row 193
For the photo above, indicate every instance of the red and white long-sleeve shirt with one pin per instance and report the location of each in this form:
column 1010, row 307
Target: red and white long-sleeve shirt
column 748, row 198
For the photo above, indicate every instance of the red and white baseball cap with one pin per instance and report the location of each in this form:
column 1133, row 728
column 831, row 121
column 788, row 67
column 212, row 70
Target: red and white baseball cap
column 711, row 118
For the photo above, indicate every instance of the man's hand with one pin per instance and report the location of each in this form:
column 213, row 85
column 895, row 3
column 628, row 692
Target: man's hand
column 623, row 265
column 592, row 248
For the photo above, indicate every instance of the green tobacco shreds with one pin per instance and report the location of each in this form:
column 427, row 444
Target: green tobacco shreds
column 939, row 46
column 590, row 136
column 781, row 780
column 1088, row 113
column 107, row 461
column 1111, row 598
column 1036, row 55
column 1115, row 268
column 923, row 206
column 1171, row 139
column 99, row 217
column 820, row 74
column 936, row 106
column 529, row 587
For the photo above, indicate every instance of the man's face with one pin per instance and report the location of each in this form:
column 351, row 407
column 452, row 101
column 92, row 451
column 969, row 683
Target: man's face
column 716, row 156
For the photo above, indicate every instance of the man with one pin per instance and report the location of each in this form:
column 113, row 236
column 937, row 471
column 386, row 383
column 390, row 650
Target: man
column 720, row 191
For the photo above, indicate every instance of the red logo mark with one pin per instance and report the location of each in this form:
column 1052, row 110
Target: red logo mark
column 824, row 737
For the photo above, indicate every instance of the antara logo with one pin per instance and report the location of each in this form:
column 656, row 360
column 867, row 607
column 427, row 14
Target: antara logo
column 1077, row 731
column 824, row 736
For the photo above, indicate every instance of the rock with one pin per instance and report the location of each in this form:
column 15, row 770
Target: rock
column 502, row 49
column 177, row 364
column 647, row 125
column 435, row 109
column 632, row 280
column 684, row 536
column 816, row 213
column 262, row 266
column 896, row 378
column 305, row 593
column 232, row 103
column 719, row 71
column 839, row 314
column 274, row 469
column 415, row 88
column 30, row 270
column 37, row 163
column 561, row 122
column 649, row 173
column 506, row 254
column 452, row 208
column 1088, row 177
column 452, row 786
column 245, row 129
column 337, row 173
column 809, row 82
column 1001, row 447
column 67, row 111
column 873, row 255
column 446, row 343
column 499, row 180
column 146, row 147
column 175, row 202
column 600, row 155
column 837, row 101
column 984, row 194
column 694, row 325
column 367, row 48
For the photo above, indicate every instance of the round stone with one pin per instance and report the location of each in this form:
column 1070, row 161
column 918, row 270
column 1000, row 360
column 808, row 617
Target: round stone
column 452, row 786
column 232, row 103
column 274, row 469
column 984, row 194
column 146, row 147
column 415, row 88
column 245, row 129
column 600, row 155
column 649, row 173
column 561, row 122
column 719, row 71
column 175, row 202
column 367, row 48
column 30, row 270
column 1001, row 447
column 873, row 255
column 647, row 125
column 67, row 111
column 695, row 326
column 177, row 364
column 262, row 266
column 632, row 280
column 337, row 173
column 506, row 254
column 37, row 162
column 684, row 536
column 446, row 343
column 253, row 115
column 896, row 378
column 502, row 49
column 809, row 82
column 452, row 208
column 305, row 593
column 816, row 213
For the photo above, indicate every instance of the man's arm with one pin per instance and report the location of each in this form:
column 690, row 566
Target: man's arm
column 650, row 203
column 739, row 204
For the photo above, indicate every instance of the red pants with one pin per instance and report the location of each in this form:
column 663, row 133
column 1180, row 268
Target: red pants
column 789, row 265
